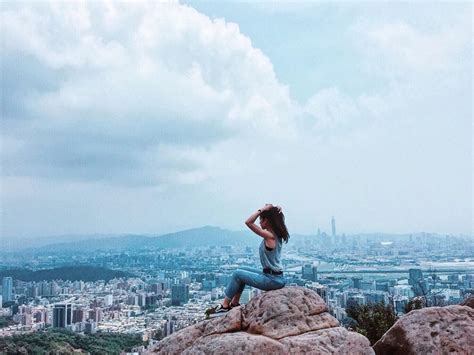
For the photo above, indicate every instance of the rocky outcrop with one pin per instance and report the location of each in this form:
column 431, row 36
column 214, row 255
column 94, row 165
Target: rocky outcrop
column 289, row 320
column 434, row 330
column 468, row 302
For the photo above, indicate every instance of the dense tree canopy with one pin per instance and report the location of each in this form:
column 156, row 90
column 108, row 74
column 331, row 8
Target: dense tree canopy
column 371, row 320
column 56, row 341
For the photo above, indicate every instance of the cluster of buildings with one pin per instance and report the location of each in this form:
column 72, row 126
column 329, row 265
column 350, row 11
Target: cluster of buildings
column 155, row 308
column 171, row 288
column 340, row 292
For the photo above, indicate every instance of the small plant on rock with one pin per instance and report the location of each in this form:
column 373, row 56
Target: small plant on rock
column 371, row 320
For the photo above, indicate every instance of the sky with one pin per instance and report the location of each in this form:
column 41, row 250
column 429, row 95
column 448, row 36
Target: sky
column 147, row 117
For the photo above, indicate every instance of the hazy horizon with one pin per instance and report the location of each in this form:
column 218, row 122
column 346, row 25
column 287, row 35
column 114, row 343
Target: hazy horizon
column 244, row 229
column 149, row 118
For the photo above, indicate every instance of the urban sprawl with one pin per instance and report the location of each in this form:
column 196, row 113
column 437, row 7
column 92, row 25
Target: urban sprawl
column 171, row 288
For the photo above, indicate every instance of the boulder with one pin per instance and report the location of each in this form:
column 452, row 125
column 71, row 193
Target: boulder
column 287, row 311
column 288, row 320
column 468, row 302
column 337, row 340
column 235, row 343
column 433, row 330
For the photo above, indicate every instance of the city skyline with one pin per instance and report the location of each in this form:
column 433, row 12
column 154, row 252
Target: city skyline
column 155, row 292
column 110, row 127
column 328, row 230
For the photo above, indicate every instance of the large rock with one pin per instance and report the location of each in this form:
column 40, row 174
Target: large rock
column 235, row 343
column 287, row 311
column 337, row 340
column 434, row 330
column 289, row 320
column 468, row 302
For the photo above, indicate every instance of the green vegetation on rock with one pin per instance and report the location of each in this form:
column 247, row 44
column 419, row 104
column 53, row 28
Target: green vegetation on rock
column 371, row 320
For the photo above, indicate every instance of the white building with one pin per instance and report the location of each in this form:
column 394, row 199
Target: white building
column 403, row 290
column 109, row 300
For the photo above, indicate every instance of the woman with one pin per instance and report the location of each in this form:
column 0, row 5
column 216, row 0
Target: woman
column 273, row 231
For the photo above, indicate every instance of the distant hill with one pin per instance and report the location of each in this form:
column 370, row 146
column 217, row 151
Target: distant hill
column 10, row 243
column 192, row 238
column 71, row 273
column 196, row 237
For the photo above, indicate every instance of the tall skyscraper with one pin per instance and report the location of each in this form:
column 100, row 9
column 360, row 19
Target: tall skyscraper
column 415, row 275
column 44, row 289
column 416, row 280
column 309, row 272
column 32, row 291
column 158, row 288
column 78, row 315
column 322, row 291
column 179, row 294
column 168, row 327
column 1, row 301
column 96, row 314
column 62, row 315
column 108, row 300
column 7, row 289
column 356, row 281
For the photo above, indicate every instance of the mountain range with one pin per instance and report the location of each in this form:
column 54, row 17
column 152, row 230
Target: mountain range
column 192, row 238
column 196, row 237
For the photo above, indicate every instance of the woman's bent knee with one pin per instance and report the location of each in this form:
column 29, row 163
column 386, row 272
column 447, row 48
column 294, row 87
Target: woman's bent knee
column 237, row 274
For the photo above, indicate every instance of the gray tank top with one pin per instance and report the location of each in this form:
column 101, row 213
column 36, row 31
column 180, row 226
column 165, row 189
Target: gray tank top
column 271, row 258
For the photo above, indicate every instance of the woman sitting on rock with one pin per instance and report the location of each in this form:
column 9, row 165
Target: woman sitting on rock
column 273, row 231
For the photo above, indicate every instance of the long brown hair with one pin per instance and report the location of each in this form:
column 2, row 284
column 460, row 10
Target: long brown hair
column 277, row 222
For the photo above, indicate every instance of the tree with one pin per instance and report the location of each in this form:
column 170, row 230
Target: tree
column 415, row 303
column 372, row 320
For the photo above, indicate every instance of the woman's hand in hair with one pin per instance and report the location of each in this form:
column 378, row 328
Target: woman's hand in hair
column 269, row 206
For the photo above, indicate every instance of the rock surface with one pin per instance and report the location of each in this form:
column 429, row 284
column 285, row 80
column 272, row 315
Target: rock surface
column 434, row 330
column 289, row 320
column 468, row 302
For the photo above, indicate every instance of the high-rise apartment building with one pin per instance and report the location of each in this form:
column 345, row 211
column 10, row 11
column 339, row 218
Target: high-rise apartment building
column 415, row 279
column 168, row 328
column 96, row 314
column 108, row 300
column 62, row 315
column 309, row 272
column 7, row 289
column 179, row 294
column 78, row 315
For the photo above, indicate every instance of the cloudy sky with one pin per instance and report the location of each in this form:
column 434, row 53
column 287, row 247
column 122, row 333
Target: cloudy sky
column 152, row 118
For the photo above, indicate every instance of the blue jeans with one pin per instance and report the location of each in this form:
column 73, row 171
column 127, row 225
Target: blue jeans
column 253, row 277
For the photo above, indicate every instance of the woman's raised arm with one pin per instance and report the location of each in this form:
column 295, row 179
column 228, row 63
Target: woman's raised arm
column 250, row 222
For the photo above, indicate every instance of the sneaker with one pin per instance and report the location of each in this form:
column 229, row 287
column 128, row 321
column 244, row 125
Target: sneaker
column 217, row 311
column 234, row 305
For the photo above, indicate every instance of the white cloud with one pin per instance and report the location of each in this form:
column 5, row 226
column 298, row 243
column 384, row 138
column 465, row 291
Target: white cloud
column 402, row 45
column 176, row 80
column 332, row 109
column 187, row 112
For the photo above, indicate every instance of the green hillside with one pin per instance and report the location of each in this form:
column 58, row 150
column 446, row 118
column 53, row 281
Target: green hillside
column 56, row 341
